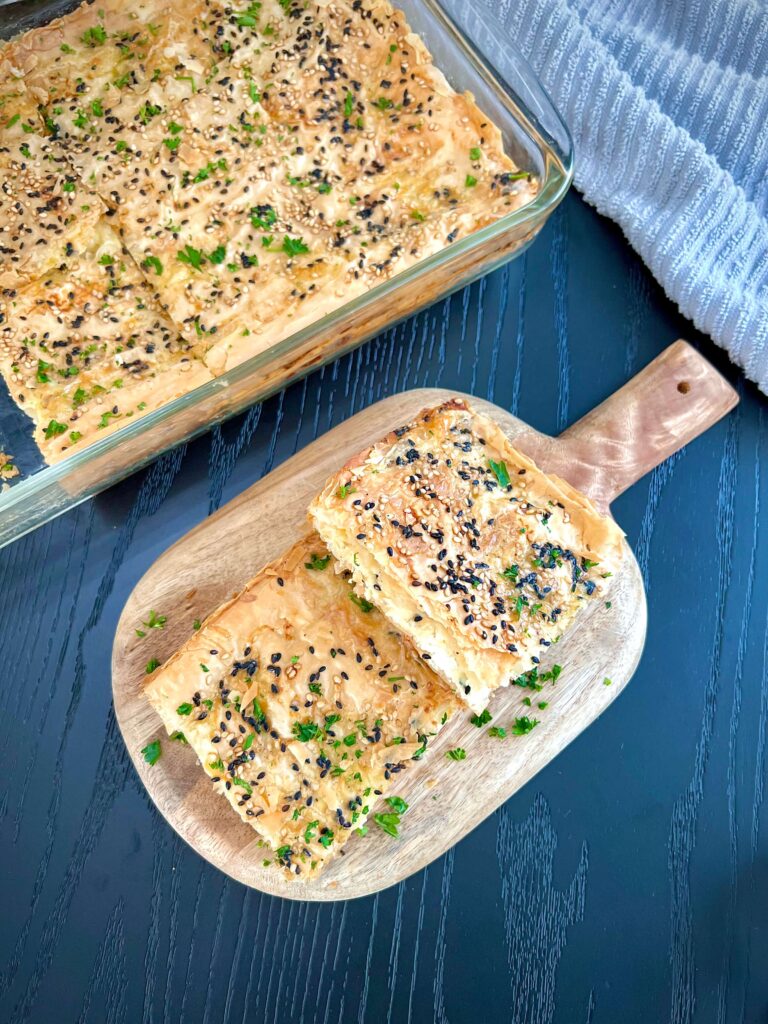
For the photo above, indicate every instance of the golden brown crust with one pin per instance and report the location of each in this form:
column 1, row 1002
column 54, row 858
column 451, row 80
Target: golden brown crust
column 339, row 695
column 260, row 209
column 468, row 548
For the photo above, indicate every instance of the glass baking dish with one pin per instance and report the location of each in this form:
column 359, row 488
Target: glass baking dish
column 534, row 136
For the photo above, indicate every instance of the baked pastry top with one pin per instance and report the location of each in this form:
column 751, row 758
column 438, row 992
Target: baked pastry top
column 303, row 704
column 466, row 546
column 84, row 343
column 262, row 163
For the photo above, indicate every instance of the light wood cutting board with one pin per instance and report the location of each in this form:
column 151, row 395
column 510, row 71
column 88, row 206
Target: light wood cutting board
column 674, row 399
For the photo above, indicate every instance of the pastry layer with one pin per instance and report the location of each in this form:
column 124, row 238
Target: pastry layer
column 303, row 705
column 270, row 160
column 466, row 546
column 84, row 344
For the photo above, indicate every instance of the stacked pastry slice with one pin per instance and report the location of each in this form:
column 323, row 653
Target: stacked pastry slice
column 303, row 704
column 444, row 565
column 466, row 546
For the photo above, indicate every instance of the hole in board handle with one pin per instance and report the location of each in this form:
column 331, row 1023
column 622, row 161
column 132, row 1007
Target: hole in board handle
column 683, row 387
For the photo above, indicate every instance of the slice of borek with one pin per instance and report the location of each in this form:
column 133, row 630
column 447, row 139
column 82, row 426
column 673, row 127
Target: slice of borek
column 466, row 546
column 303, row 704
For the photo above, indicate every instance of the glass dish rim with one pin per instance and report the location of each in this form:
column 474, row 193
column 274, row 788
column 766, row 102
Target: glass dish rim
column 556, row 181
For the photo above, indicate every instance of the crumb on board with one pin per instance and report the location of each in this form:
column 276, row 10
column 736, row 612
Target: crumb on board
column 7, row 468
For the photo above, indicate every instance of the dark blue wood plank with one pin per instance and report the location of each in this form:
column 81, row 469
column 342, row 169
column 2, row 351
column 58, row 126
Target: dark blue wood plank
column 627, row 882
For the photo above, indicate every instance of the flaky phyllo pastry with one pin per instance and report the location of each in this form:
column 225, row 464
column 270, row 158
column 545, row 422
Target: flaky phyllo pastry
column 466, row 546
column 187, row 182
column 444, row 566
column 304, row 706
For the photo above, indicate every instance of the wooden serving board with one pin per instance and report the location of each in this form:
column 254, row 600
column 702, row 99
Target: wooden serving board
column 673, row 400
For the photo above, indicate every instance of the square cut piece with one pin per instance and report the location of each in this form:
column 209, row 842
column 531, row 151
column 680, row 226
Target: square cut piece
column 84, row 344
column 466, row 546
column 303, row 705
column 269, row 189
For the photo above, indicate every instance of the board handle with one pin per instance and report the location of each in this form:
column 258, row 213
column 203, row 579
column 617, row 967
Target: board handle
column 674, row 399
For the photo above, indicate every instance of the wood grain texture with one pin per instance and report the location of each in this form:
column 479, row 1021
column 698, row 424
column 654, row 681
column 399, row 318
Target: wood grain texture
column 183, row 586
column 195, row 947
column 670, row 402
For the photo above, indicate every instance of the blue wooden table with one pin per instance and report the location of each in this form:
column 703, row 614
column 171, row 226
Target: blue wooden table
column 627, row 883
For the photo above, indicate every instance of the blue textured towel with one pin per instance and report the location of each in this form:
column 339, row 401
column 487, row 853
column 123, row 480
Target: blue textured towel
column 667, row 103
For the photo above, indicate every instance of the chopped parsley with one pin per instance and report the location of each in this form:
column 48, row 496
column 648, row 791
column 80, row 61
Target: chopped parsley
column 482, row 719
column 147, row 111
column 398, row 805
column 94, row 36
column 179, row 737
column 457, row 754
column 204, row 173
column 349, row 104
column 310, row 831
column 294, row 246
column 499, row 470
column 105, row 418
column 152, row 263
column 305, row 731
column 470, row 181
column 317, row 563
column 192, row 257
column 156, row 621
column 243, row 784
column 151, row 665
column 185, row 709
column 475, row 153
column 497, row 732
column 263, row 216
column 54, row 429
column 511, row 573
column 362, row 604
column 388, row 823
column 151, row 752
column 533, row 680
column 524, row 725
